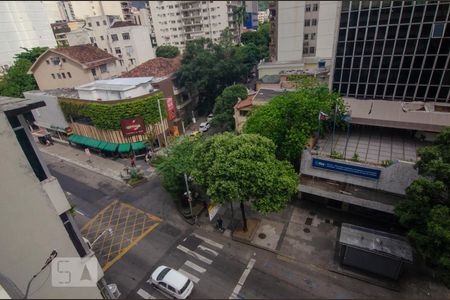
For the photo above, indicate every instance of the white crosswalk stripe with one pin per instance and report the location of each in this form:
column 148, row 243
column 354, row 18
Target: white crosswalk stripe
column 208, row 241
column 237, row 289
column 206, row 249
column 195, row 267
column 144, row 294
column 194, row 254
column 189, row 275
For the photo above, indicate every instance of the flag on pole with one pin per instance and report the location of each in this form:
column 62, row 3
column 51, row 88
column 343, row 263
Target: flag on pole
column 323, row 116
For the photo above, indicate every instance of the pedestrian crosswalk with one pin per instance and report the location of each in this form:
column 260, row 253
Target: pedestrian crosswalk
column 196, row 263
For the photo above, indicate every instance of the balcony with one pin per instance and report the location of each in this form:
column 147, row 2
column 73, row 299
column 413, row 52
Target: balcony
column 191, row 16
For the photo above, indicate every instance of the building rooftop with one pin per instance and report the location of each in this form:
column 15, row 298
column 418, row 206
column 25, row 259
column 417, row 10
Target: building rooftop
column 265, row 95
column 425, row 116
column 156, row 67
column 245, row 103
column 376, row 241
column 117, row 24
column 14, row 106
column 116, row 84
column 66, row 93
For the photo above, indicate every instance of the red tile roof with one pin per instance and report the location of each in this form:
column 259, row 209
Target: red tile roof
column 157, row 67
column 245, row 103
column 87, row 55
column 122, row 24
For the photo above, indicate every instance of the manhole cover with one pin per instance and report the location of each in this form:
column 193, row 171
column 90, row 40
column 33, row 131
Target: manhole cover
column 262, row 236
column 306, row 230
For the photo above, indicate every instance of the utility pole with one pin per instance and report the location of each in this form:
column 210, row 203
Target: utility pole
column 162, row 123
column 334, row 129
column 189, row 195
column 184, row 130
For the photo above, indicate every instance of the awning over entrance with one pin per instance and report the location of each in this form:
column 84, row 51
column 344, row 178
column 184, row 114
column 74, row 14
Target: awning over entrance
column 138, row 145
column 124, row 148
column 93, row 143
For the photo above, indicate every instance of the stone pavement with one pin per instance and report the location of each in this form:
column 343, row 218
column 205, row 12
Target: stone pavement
column 104, row 166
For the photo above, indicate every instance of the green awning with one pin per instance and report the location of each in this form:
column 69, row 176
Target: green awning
column 138, row 145
column 124, row 148
column 102, row 145
column 92, row 143
column 110, row 147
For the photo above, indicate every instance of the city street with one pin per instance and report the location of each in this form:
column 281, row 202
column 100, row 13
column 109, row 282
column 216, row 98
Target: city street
column 219, row 266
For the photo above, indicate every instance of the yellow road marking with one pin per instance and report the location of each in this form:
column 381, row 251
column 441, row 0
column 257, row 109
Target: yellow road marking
column 98, row 214
column 109, row 222
column 151, row 216
column 126, row 249
column 114, row 230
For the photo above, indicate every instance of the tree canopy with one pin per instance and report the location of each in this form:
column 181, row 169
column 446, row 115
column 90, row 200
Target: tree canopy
column 224, row 106
column 16, row 80
column 258, row 40
column 290, row 119
column 167, row 51
column 243, row 168
column 425, row 212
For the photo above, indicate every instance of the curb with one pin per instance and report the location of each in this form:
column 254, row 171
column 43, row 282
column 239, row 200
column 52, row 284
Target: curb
column 88, row 167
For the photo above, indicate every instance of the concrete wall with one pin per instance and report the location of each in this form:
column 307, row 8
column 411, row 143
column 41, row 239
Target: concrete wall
column 51, row 114
column 394, row 179
column 291, row 15
column 140, row 90
column 30, row 226
column 327, row 22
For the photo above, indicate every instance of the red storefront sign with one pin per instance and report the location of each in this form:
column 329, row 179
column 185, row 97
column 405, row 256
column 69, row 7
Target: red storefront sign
column 170, row 108
column 132, row 126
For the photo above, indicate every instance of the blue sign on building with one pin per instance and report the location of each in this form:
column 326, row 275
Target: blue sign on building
column 251, row 21
column 346, row 168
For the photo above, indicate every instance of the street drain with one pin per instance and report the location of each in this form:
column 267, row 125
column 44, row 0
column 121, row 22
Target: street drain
column 262, row 236
column 306, row 230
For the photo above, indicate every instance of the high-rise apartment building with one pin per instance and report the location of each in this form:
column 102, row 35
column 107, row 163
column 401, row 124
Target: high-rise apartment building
column 176, row 22
column 24, row 24
column 302, row 34
column 393, row 50
column 59, row 11
column 84, row 9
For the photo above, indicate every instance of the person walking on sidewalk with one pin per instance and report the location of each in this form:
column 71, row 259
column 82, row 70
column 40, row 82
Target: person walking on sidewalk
column 133, row 161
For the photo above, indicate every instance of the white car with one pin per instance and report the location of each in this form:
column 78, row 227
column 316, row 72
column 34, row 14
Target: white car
column 209, row 117
column 204, row 126
column 171, row 282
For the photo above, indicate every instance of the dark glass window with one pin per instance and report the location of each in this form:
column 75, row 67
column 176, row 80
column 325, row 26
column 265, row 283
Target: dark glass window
column 381, row 33
column 436, row 77
column 403, row 76
column 371, row 33
column 383, row 76
column 354, row 76
column 440, row 62
column 349, row 49
column 438, row 30
column 352, row 89
column 426, row 29
column 378, row 48
column 447, row 31
column 402, row 32
column 418, row 14
column 368, row 48
column 414, row 31
column 340, row 49
column 361, row 34
column 375, row 4
column 355, row 5
column 359, row 48
column 338, row 62
column 373, row 19
column 396, row 61
column 335, row 87
column 344, row 17
column 406, row 62
column 347, row 62
column 410, row 46
column 421, row 91
column 413, row 77
column 444, row 93
column 446, row 80
column 432, row 91
column 429, row 13
column 342, row 33
column 345, row 5
column 370, row 89
column 390, row 90
column 410, row 91
column 363, row 16
column 384, row 16
column 445, row 46
column 351, row 34
column 400, row 90
column 366, row 62
column 442, row 12
column 363, row 76
column 72, row 231
column 30, row 154
column 337, row 75
column 344, row 88
column 388, row 48
column 395, row 16
column 361, row 89
column 345, row 75
column 373, row 74
column 418, row 60
column 386, row 62
column 356, row 62
column 433, row 46
column 421, row 46
column 406, row 14
column 399, row 46
column 380, row 90
column 353, row 19
column 393, row 76
column 425, row 77
column 391, row 32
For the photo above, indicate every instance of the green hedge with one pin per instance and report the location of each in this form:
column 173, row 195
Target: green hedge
column 108, row 116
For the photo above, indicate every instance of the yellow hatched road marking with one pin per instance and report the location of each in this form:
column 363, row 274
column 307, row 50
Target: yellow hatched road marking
column 98, row 214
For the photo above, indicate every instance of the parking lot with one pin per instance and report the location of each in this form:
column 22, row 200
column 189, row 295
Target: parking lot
column 128, row 224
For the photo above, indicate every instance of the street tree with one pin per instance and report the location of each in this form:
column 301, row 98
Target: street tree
column 290, row 119
column 167, row 51
column 425, row 212
column 243, row 168
column 224, row 106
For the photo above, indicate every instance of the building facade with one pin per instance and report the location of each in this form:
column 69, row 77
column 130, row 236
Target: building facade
column 85, row 9
column 251, row 19
column 59, row 11
column 39, row 213
column 131, row 44
column 23, row 24
column 72, row 66
column 177, row 22
column 393, row 50
column 302, row 35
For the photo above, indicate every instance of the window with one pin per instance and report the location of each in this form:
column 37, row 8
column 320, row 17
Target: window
column 313, row 36
column 103, row 68
column 55, row 61
column 98, row 23
column 305, row 50
column 74, row 234
column 92, row 40
column 47, row 61
column 308, row 7
column 63, row 75
column 307, row 22
column 114, row 37
column 94, row 72
column 53, row 75
column 438, row 30
column 102, row 38
column 59, row 76
column 315, row 7
column 121, row 62
column 117, row 50
column 243, row 113
column 104, row 22
column 305, row 37
column 69, row 75
column 314, row 22
column 312, row 50
column 89, row 24
column 132, row 61
column 126, row 36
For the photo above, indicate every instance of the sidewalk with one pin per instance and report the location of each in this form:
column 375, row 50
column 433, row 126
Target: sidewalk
column 104, row 166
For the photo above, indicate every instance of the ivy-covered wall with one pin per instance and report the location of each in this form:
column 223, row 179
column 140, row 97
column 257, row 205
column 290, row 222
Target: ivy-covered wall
column 107, row 116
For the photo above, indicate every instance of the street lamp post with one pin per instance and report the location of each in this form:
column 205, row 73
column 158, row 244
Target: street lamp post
column 47, row 262
column 162, row 123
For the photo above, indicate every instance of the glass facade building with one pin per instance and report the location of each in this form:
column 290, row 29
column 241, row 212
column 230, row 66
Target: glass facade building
column 393, row 50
